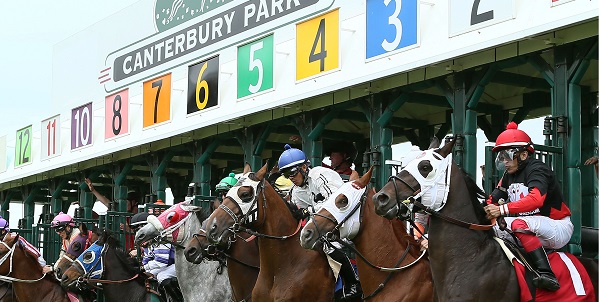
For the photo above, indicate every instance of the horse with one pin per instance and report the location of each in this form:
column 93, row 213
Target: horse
column 240, row 253
column 347, row 214
column 467, row 263
column 78, row 244
column 287, row 271
column 205, row 281
column 107, row 263
column 19, row 265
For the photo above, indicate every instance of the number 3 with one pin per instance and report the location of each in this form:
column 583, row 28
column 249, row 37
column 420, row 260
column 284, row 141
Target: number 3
column 395, row 21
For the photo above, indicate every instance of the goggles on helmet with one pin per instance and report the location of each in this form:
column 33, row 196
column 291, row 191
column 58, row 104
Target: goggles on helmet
column 291, row 172
column 507, row 154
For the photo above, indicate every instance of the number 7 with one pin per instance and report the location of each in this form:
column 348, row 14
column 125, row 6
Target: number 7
column 159, row 85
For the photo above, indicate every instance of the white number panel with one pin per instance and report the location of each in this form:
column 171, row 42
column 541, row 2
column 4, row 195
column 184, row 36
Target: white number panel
column 469, row 15
column 50, row 137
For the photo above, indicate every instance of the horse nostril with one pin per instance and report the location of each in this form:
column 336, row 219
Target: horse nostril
column 191, row 252
column 381, row 198
column 308, row 234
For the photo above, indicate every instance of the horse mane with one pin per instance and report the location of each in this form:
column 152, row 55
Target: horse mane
column 476, row 193
column 108, row 238
column 293, row 208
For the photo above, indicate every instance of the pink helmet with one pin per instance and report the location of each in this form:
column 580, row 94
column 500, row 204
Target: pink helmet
column 62, row 220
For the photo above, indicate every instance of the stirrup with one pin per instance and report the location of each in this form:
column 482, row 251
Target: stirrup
column 546, row 282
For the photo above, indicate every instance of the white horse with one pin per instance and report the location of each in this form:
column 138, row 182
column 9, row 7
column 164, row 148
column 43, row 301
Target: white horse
column 198, row 282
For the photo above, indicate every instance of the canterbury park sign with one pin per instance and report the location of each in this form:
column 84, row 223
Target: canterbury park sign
column 210, row 28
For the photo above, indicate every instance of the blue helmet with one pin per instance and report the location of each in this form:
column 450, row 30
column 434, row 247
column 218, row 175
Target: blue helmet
column 291, row 157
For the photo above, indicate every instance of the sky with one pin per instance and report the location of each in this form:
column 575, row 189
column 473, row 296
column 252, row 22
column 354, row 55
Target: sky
column 31, row 29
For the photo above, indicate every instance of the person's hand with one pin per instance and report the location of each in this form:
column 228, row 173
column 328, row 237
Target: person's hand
column 592, row 161
column 47, row 269
column 492, row 211
column 133, row 253
column 424, row 244
column 89, row 184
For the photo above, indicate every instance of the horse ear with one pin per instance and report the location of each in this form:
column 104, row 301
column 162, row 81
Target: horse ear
column 435, row 143
column 247, row 168
column 365, row 179
column 447, row 149
column 260, row 175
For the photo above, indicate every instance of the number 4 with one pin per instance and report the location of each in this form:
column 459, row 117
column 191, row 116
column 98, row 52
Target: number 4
column 323, row 53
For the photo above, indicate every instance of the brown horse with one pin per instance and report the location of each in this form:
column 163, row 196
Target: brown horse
column 21, row 267
column 240, row 254
column 467, row 263
column 383, row 240
column 6, row 292
column 287, row 271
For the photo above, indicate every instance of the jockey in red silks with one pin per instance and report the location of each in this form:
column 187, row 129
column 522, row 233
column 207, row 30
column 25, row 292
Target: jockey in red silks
column 530, row 198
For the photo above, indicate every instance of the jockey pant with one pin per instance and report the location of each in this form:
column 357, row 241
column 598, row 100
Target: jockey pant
column 553, row 234
column 164, row 273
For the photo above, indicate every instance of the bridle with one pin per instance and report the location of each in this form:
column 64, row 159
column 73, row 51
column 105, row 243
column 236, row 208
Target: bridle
column 414, row 200
column 9, row 256
column 331, row 236
column 93, row 275
column 244, row 223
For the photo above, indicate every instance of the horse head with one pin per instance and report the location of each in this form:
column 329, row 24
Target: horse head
column 340, row 213
column 425, row 177
column 168, row 223
column 76, row 248
column 239, row 207
column 7, row 250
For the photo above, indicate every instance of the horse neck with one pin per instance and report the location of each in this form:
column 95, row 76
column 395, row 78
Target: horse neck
column 383, row 242
column 243, row 277
column 115, row 269
column 28, row 268
column 275, row 219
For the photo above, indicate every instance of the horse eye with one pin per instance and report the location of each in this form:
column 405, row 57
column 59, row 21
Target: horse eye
column 88, row 257
column 246, row 195
column 170, row 216
column 341, row 202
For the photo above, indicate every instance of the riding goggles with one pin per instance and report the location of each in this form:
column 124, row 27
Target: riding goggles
column 507, row 155
column 291, row 172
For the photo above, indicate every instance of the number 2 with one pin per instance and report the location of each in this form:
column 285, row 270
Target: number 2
column 478, row 18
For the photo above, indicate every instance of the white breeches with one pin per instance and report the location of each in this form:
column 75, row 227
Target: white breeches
column 553, row 234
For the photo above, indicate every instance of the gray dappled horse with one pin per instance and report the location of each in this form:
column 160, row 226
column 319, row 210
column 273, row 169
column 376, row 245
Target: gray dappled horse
column 204, row 282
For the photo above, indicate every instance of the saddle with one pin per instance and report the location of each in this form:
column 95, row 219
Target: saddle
column 574, row 286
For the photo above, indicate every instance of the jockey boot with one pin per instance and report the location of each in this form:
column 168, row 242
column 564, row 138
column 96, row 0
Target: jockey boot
column 352, row 286
column 172, row 289
column 546, row 279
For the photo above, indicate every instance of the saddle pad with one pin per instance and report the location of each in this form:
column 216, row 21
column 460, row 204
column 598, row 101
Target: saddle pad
column 575, row 284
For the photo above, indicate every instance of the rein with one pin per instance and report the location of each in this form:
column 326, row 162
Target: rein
column 10, row 253
column 216, row 252
column 411, row 200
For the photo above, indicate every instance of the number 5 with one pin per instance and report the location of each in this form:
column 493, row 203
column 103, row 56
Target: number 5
column 256, row 63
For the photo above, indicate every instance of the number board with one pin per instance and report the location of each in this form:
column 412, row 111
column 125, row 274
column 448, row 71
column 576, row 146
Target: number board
column 157, row 100
column 397, row 31
column 469, row 15
column 23, row 145
column 116, row 110
column 3, row 160
column 203, row 85
column 255, row 67
column 317, row 45
column 51, row 137
column 81, row 126
column 559, row 2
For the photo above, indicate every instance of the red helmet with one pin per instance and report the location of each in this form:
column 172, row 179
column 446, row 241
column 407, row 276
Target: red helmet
column 513, row 138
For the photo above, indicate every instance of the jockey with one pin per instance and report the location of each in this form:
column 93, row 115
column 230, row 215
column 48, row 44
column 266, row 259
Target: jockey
column 342, row 156
column 158, row 260
column 531, row 199
column 64, row 225
column 224, row 185
column 4, row 228
column 312, row 187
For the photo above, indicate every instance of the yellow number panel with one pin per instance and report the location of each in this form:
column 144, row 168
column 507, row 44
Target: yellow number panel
column 317, row 45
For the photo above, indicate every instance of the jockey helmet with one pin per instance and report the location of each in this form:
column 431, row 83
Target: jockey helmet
column 283, row 184
column 291, row 157
column 512, row 138
column 4, row 225
column 61, row 221
column 226, row 183
column 139, row 220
